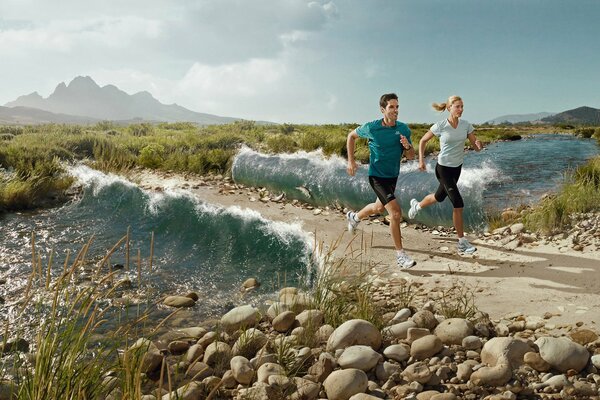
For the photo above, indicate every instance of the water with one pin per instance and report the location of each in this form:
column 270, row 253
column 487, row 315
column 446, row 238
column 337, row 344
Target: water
column 210, row 249
column 197, row 246
column 504, row 174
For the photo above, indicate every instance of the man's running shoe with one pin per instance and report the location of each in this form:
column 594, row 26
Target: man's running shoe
column 352, row 221
column 404, row 261
column 414, row 209
column 465, row 247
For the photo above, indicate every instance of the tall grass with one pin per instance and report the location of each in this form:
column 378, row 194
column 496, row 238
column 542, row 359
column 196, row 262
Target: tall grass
column 580, row 194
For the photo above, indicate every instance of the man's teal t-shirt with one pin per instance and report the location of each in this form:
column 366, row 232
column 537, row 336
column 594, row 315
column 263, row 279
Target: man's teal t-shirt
column 384, row 147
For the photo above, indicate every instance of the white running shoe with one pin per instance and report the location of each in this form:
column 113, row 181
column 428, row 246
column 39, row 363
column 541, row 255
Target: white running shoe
column 352, row 222
column 404, row 261
column 414, row 209
column 465, row 247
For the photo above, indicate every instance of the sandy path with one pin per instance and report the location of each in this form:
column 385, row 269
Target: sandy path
column 533, row 280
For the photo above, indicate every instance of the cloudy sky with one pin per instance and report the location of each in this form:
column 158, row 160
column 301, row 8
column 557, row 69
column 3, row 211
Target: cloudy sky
column 306, row 61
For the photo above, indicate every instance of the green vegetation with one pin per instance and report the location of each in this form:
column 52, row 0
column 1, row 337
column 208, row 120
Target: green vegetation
column 580, row 194
column 32, row 158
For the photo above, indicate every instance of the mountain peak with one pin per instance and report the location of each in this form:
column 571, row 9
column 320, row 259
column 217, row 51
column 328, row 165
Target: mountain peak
column 83, row 82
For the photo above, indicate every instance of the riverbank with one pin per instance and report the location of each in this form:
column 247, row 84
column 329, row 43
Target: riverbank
column 511, row 273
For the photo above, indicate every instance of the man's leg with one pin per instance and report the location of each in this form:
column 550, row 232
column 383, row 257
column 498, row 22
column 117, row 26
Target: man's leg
column 395, row 213
column 370, row 209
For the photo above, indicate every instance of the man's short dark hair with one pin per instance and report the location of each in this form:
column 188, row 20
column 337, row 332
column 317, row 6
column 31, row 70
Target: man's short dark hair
column 383, row 101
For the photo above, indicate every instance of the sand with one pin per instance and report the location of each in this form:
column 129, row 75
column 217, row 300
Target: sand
column 533, row 280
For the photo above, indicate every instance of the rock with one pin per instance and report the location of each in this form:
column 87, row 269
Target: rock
column 305, row 389
column 471, row 343
column 190, row 391
column 563, row 354
column 242, row 370
column 249, row 342
column 243, row 316
column 464, row 371
column 284, row 321
column 417, row 372
column 400, row 330
column 195, row 332
column 323, row 367
column 343, row 384
column 443, row 396
column 194, row 352
column 354, row 332
column 397, row 352
column 18, row 345
column 416, row 333
column 535, row 361
column 323, row 333
column 492, row 376
column 401, row 316
column 384, row 370
column 199, row 371
column 359, row 357
column 583, row 336
column 310, row 318
column 178, row 301
column 258, row 392
column 426, row 347
column 364, row 396
column 516, row 228
column 268, row 369
column 193, row 295
column 152, row 358
column 453, row 330
column 217, row 353
column 250, row 283
column 504, row 350
column 277, row 308
column 178, row 347
column 425, row 319
column 596, row 360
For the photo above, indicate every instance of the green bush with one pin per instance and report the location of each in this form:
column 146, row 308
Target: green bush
column 151, row 156
column 280, row 143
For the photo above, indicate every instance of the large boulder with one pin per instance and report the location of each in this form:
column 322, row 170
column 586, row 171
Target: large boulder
column 354, row 332
column 563, row 354
column 504, row 350
column 359, row 357
column 345, row 383
column 453, row 330
column 240, row 317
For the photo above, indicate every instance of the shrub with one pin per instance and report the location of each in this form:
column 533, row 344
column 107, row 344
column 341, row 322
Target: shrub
column 151, row 156
column 281, row 144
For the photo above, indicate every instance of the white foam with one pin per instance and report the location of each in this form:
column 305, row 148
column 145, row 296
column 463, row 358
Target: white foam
column 99, row 180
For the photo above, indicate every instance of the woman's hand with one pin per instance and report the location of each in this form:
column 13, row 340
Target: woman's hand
column 422, row 166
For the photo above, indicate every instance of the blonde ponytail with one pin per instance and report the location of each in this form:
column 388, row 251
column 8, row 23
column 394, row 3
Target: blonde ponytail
column 444, row 106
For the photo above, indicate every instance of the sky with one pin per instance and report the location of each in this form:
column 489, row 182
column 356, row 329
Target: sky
column 314, row 62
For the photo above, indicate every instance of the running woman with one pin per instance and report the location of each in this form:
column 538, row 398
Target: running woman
column 388, row 140
column 452, row 133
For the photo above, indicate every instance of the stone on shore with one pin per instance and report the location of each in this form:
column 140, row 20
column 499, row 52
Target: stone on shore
column 178, row 301
column 343, row 384
column 240, row 317
column 562, row 353
column 359, row 357
column 453, row 330
column 425, row 347
column 500, row 350
column 354, row 332
column 242, row 370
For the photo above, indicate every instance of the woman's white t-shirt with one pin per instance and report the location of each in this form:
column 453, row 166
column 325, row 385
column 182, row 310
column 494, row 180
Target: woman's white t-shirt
column 452, row 141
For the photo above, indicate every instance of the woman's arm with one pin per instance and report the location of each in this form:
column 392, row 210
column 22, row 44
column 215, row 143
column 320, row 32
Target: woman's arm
column 475, row 144
column 422, row 143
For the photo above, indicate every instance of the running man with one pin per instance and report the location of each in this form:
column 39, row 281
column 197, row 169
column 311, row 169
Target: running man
column 388, row 140
column 452, row 133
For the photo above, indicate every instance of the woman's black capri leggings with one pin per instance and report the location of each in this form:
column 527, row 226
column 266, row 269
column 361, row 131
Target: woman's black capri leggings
column 448, row 178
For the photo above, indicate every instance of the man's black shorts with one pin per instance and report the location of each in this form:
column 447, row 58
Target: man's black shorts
column 384, row 188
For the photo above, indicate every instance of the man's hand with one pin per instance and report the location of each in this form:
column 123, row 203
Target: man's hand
column 351, row 168
column 478, row 145
column 405, row 143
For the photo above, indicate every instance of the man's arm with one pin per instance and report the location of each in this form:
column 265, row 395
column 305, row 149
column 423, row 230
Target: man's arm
column 350, row 142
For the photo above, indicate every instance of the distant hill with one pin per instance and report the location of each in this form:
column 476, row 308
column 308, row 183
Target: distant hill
column 32, row 116
column 518, row 118
column 84, row 98
column 577, row 116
